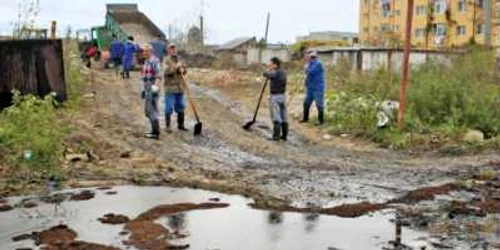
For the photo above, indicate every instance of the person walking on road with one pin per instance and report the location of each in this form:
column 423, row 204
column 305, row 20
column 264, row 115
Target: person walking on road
column 151, row 79
column 277, row 101
column 315, row 87
column 129, row 50
column 174, row 69
column 159, row 48
column 116, row 51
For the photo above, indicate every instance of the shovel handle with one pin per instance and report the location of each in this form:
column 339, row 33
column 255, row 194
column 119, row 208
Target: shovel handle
column 260, row 99
column 190, row 99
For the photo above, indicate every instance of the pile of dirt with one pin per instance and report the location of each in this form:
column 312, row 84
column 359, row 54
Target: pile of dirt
column 426, row 193
column 60, row 238
column 114, row 219
column 83, row 196
column 104, row 188
column 30, row 204
column 146, row 234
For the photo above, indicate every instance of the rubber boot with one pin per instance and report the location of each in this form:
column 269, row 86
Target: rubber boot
column 305, row 117
column 155, row 133
column 284, row 131
column 168, row 128
column 321, row 117
column 180, row 122
column 276, row 132
column 127, row 74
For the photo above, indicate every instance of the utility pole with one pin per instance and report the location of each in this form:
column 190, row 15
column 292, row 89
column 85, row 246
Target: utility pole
column 406, row 59
column 266, row 36
column 487, row 23
column 202, row 29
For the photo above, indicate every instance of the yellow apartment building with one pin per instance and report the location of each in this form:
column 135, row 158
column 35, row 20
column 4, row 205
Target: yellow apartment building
column 436, row 23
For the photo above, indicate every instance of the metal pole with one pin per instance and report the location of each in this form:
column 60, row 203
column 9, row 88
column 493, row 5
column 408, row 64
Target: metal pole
column 406, row 59
column 267, row 27
column 487, row 23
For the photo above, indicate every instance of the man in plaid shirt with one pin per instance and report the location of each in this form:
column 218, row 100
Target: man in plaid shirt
column 151, row 79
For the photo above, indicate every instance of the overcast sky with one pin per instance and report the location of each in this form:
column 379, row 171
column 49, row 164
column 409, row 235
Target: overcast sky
column 225, row 19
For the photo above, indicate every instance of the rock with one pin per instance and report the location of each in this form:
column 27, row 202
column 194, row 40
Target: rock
column 327, row 137
column 83, row 196
column 125, row 154
column 30, row 204
column 473, row 136
column 344, row 135
column 114, row 219
column 77, row 157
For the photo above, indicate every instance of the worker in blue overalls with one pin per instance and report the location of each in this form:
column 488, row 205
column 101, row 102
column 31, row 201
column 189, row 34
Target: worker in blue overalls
column 129, row 50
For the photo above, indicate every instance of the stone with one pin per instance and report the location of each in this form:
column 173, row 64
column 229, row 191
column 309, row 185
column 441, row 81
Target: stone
column 327, row 137
column 473, row 136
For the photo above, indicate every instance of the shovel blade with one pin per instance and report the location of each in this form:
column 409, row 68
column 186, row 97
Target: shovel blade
column 248, row 125
column 198, row 127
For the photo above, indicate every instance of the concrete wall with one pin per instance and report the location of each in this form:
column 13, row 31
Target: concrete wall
column 32, row 67
column 370, row 59
column 267, row 54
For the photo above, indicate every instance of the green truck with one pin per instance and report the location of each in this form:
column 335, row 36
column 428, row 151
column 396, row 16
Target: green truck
column 124, row 20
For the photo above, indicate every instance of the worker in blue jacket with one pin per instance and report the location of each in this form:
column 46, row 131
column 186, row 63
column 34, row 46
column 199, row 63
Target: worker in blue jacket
column 116, row 51
column 129, row 50
column 315, row 86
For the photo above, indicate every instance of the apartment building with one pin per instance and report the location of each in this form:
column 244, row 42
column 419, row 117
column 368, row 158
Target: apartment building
column 436, row 23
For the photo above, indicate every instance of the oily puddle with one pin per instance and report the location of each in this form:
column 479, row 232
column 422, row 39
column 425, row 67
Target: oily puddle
column 221, row 227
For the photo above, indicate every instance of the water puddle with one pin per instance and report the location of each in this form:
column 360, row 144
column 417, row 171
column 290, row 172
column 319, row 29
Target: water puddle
column 235, row 227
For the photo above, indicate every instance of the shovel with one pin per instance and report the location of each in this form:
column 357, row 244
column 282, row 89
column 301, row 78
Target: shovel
column 249, row 124
column 198, row 126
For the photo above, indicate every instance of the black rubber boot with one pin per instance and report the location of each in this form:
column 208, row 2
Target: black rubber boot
column 284, row 131
column 180, row 122
column 168, row 128
column 127, row 75
column 305, row 117
column 155, row 133
column 276, row 131
column 321, row 117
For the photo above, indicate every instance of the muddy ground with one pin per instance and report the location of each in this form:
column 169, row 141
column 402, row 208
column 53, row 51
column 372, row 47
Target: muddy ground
column 308, row 171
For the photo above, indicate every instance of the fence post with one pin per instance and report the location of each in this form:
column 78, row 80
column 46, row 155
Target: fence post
column 406, row 59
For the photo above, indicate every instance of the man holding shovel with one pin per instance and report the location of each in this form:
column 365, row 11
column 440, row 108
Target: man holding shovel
column 277, row 101
column 174, row 93
column 151, row 79
column 315, row 85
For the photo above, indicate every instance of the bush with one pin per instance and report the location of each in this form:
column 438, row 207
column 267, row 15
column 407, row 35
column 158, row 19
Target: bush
column 444, row 99
column 30, row 125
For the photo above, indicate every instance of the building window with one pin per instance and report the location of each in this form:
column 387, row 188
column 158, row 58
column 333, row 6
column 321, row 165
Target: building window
column 397, row 13
column 462, row 5
column 439, row 30
column 395, row 27
column 480, row 3
column 366, row 29
column 479, row 29
column 385, row 27
column 440, row 6
column 419, row 32
column 461, row 30
column 421, row 10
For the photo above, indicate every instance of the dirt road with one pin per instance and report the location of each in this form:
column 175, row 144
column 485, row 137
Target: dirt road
column 307, row 170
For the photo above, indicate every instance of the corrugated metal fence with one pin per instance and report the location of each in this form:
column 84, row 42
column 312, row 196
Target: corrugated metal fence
column 32, row 67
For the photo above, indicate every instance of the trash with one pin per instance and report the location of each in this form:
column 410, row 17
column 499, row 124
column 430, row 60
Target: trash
column 327, row 137
column 28, row 155
column 386, row 113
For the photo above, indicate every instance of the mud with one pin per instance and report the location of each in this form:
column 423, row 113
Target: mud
column 60, row 237
column 114, row 219
column 426, row 193
column 146, row 234
column 83, row 196
column 55, row 198
column 166, row 210
column 111, row 193
column 30, row 204
column 5, row 207
column 345, row 210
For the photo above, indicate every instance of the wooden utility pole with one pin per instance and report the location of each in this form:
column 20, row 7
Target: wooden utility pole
column 406, row 60
column 202, row 29
column 266, row 35
column 53, row 30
